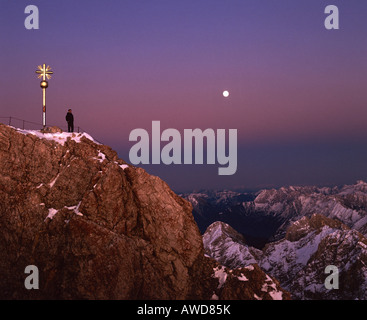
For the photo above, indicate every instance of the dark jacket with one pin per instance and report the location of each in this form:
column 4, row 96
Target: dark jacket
column 69, row 117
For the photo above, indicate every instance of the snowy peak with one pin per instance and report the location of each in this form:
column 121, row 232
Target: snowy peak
column 306, row 229
column 360, row 187
column 271, row 196
column 57, row 135
column 220, row 230
column 316, row 223
column 298, row 261
column 224, row 244
column 265, row 216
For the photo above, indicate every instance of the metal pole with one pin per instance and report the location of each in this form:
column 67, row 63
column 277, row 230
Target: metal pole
column 44, row 107
column 44, row 74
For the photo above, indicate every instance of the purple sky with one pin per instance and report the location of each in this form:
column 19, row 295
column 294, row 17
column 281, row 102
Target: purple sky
column 297, row 91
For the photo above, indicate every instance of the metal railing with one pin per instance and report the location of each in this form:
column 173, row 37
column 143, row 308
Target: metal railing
column 29, row 125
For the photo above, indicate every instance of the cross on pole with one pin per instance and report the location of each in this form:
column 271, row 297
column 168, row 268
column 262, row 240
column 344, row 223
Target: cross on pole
column 44, row 73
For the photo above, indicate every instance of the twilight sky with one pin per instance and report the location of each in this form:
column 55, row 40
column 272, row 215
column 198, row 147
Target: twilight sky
column 298, row 93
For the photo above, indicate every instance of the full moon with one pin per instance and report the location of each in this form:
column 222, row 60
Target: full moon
column 225, row 94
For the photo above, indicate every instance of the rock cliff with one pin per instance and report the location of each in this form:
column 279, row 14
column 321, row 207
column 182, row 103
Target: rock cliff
column 98, row 228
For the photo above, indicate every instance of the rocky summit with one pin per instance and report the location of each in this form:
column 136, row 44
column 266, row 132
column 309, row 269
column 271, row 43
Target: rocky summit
column 99, row 228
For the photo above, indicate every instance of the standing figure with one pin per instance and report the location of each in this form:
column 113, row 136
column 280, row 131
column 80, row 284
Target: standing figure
column 70, row 120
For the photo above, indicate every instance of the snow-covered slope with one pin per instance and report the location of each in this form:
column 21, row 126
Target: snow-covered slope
column 226, row 245
column 258, row 284
column 299, row 260
column 265, row 216
column 348, row 204
column 57, row 135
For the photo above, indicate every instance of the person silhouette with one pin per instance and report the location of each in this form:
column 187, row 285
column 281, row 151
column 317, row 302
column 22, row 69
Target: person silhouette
column 70, row 120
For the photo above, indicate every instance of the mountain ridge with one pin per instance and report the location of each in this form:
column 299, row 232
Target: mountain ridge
column 299, row 260
column 99, row 228
column 264, row 216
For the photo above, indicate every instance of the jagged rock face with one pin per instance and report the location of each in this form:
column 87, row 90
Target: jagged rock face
column 299, row 260
column 95, row 227
column 250, row 281
column 226, row 245
column 341, row 247
column 98, row 228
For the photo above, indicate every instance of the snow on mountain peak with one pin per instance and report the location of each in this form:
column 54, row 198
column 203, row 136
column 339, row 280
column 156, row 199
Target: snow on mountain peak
column 224, row 243
column 59, row 137
column 298, row 260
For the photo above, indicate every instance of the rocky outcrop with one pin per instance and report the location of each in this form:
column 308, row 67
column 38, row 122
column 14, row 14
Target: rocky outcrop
column 299, row 260
column 249, row 281
column 226, row 245
column 327, row 243
column 98, row 228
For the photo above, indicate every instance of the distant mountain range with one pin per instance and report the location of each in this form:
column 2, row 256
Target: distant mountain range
column 264, row 216
column 298, row 232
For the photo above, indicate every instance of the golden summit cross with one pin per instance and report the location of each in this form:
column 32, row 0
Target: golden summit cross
column 44, row 73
